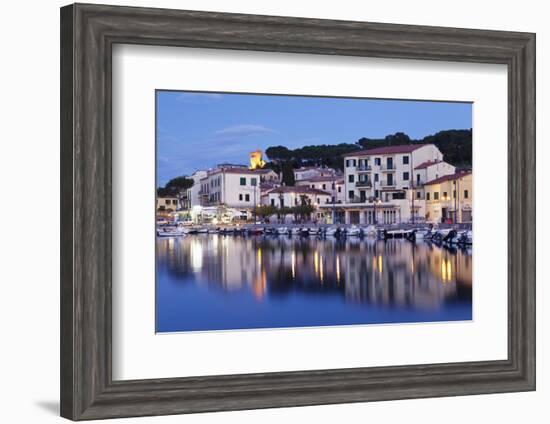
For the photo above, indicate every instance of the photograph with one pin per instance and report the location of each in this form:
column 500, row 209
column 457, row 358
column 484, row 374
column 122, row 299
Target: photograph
column 282, row 211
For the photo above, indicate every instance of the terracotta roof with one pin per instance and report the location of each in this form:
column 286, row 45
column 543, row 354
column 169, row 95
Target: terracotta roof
column 450, row 177
column 424, row 165
column 321, row 179
column 299, row 190
column 388, row 150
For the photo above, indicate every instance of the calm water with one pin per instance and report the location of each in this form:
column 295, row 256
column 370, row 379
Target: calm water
column 211, row 282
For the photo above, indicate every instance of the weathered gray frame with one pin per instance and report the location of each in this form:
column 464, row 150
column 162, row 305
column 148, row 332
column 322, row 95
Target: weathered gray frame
column 88, row 33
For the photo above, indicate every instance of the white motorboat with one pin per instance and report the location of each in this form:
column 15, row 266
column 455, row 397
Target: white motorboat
column 314, row 231
column 295, row 231
column 282, row 231
column 169, row 232
column 370, row 231
column 332, row 231
column 353, row 231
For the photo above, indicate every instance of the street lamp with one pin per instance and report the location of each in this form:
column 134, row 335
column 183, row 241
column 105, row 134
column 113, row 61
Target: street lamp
column 375, row 201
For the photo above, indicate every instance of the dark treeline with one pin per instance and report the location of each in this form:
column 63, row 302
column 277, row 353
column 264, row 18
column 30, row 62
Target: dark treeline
column 456, row 146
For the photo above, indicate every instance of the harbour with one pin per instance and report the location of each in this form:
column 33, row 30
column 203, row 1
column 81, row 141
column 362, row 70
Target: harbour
column 245, row 280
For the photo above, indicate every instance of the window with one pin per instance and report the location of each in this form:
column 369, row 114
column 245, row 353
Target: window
column 405, row 160
column 375, row 178
column 436, row 195
column 377, row 161
column 427, row 196
column 418, row 179
column 324, row 186
column 465, row 194
column 376, row 194
column 354, row 162
column 312, row 185
column 405, row 174
column 351, row 178
column 445, row 195
column 253, row 182
column 390, row 179
column 347, row 163
column 351, row 194
column 340, row 189
column 272, row 202
column 454, row 194
column 418, row 195
column 243, row 181
column 333, row 186
column 247, row 197
column 240, row 197
column 398, row 196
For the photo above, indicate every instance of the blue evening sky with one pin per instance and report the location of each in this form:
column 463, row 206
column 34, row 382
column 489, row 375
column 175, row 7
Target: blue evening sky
column 200, row 130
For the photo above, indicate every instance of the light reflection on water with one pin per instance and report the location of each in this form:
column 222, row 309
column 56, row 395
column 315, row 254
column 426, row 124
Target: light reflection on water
column 211, row 282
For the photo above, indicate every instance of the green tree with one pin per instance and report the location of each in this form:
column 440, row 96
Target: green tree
column 288, row 173
column 179, row 184
column 303, row 211
column 266, row 211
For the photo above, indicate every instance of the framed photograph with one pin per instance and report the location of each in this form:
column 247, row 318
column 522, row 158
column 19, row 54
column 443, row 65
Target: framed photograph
column 264, row 211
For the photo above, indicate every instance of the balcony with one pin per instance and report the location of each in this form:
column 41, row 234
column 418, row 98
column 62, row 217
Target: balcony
column 363, row 168
column 363, row 184
column 357, row 200
column 387, row 183
column 387, row 167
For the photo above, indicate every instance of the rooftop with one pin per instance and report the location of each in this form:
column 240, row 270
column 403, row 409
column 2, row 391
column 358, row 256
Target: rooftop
column 389, row 150
column 428, row 163
column 336, row 178
column 298, row 190
column 450, row 177
column 239, row 170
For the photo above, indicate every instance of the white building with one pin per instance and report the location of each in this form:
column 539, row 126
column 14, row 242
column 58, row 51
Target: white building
column 333, row 184
column 233, row 187
column 312, row 172
column 192, row 195
column 287, row 197
column 383, row 185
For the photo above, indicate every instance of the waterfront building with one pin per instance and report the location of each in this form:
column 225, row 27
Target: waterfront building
column 449, row 198
column 385, row 185
column 287, row 197
column 234, row 187
column 333, row 184
column 167, row 203
column 191, row 197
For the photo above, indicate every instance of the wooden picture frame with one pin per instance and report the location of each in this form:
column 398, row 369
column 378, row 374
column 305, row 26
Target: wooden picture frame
column 88, row 33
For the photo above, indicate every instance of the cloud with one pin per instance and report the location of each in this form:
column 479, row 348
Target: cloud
column 243, row 130
column 190, row 97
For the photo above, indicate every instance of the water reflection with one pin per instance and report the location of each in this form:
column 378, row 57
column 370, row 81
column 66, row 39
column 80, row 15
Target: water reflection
column 216, row 282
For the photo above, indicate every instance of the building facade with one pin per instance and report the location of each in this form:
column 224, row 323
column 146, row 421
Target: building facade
column 288, row 197
column 167, row 203
column 449, row 198
column 386, row 185
column 233, row 187
column 331, row 184
column 306, row 172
